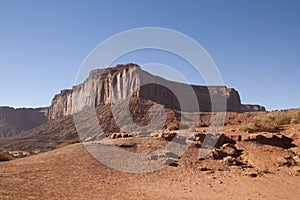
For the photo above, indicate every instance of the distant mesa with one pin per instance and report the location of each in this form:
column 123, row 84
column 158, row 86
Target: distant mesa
column 118, row 82
column 14, row 121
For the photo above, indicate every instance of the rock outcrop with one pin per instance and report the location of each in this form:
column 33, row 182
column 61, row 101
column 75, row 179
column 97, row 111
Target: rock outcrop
column 105, row 86
column 13, row 121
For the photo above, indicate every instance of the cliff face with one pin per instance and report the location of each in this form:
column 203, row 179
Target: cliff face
column 115, row 83
column 107, row 86
column 13, row 121
column 61, row 105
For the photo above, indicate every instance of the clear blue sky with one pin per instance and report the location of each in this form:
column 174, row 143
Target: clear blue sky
column 255, row 44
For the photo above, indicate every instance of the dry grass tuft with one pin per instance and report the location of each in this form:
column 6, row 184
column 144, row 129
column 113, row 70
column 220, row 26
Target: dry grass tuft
column 271, row 122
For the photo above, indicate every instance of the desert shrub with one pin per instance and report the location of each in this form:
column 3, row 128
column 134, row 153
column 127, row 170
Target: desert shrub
column 271, row 122
column 260, row 124
column 5, row 157
column 287, row 117
column 282, row 118
column 296, row 118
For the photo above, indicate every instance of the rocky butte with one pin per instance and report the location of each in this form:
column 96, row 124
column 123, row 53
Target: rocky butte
column 13, row 121
column 105, row 86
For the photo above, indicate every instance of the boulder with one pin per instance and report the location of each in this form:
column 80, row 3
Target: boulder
column 216, row 154
column 273, row 139
column 295, row 150
column 124, row 135
column 225, row 151
column 113, row 136
column 167, row 135
column 211, row 139
column 229, row 149
column 289, row 161
column 230, row 161
column 235, row 138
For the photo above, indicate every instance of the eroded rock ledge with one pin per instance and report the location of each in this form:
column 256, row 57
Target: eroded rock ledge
column 104, row 86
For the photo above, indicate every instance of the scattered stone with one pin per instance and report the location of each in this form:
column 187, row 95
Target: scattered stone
column 216, row 154
column 273, row 139
column 118, row 135
column 203, row 169
column 235, row 138
column 124, row 135
column 166, row 135
column 245, row 138
column 230, row 161
column 296, row 159
column 253, row 175
column 295, row 150
column 213, row 139
column 253, row 137
column 113, row 136
column 226, row 150
column 199, row 137
column 289, row 161
column 210, row 172
column 222, row 139
column 19, row 154
column 229, row 149
column 36, row 151
column 297, row 171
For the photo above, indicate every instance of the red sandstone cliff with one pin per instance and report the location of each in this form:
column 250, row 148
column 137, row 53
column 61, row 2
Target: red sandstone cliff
column 104, row 86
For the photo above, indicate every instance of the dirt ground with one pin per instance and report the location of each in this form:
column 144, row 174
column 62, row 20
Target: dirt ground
column 72, row 173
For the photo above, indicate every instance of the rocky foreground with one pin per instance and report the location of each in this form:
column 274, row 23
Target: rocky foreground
column 241, row 166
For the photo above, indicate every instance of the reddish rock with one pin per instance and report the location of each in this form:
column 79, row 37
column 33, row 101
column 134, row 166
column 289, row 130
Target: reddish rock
column 106, row 85
column 166, row 135
column 14, row 121
column 229, row 149
column 235, row 138
column 273, row 139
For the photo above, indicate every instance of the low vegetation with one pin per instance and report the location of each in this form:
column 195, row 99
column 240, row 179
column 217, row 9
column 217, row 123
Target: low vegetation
column 271, row 122
column 5, row 157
